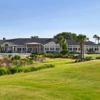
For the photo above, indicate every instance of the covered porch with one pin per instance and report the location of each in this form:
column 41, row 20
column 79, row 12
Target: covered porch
column 34, row 47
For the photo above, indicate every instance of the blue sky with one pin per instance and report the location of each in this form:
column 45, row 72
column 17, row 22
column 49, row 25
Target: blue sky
column 45, row 18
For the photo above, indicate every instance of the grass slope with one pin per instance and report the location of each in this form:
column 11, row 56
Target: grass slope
column 67, row 81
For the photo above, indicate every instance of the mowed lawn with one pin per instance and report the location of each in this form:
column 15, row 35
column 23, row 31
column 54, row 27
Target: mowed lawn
column 92, row 55
column 67, row 81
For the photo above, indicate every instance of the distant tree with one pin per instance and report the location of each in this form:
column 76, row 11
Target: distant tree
column 97, row 38
column 36, row 37
column 61, row 41
column 81, row 39
column 62, row 38
column 67, row 35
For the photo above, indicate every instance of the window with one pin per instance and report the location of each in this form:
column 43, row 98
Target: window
column 24, row 49
column 29, row 49
column 47, row 49
column 19, row 49
column 96, row 49
column 75, row 49
column 6, row 45
column 57, row 49
column 70, row 49
column 52, row 49
column 91, row 49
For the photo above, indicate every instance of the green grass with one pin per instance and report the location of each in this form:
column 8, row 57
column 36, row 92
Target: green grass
column 67, row 81
column 92, row 55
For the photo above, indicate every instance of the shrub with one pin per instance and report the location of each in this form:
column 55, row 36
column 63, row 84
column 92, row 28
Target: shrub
column 73, row 56
column 49, row 66
column 97, row 57
column 37, row 57
column 46, row 66
column 59, row 55
column 17, row 69
column 53, row 55
column 32, row 68
column 9, row 56
column 34, row 56
column 88, row 58
column 63, row 52
column 29, row 61
column 78, row 60
column 90, row 51
column 28, row 69
column 4, row 71
column 16, row 57
column 74, row 52
column 13, row 70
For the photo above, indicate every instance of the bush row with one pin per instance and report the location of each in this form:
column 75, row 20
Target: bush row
column 87, row 59
column 59, row 55
column 18, row 69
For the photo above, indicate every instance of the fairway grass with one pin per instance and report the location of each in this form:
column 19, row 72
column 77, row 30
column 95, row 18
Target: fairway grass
column 67, row 81
column 92, row 55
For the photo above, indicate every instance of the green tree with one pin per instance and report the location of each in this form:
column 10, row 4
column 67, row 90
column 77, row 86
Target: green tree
column 67, row 35
column 97, row 38
column 34, row 37
column 81, row 39
column 62, row 38
column 61, row 41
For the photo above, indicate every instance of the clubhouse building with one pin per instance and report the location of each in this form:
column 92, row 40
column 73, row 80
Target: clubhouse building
column 42, row 45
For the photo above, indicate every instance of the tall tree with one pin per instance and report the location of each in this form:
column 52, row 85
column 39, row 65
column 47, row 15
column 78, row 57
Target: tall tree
column 97, row 38
column 62, row 38
column 81, row 39
column 67, row 35
column 61, row 41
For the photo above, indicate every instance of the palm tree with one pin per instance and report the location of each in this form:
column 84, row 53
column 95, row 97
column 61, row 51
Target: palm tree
column 81, row 39
column 97, row 38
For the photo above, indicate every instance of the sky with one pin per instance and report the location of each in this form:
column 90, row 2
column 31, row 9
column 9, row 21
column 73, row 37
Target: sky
column 46, row 18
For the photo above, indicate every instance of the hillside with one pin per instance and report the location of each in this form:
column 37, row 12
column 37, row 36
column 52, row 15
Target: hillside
column 67, row 81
